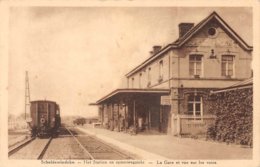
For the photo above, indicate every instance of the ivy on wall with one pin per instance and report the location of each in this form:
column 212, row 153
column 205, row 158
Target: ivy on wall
column 234, row 122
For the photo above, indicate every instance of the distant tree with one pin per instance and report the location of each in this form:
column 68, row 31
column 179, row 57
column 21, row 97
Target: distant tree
column 22, row 116
column 11, row 116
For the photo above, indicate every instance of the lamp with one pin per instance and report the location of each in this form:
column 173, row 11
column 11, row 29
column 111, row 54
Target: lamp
column 212, row 54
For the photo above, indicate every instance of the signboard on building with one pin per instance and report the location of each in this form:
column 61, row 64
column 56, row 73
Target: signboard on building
column 166, row 100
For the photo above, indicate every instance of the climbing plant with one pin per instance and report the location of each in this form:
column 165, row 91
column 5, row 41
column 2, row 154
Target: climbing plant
column 234, row 116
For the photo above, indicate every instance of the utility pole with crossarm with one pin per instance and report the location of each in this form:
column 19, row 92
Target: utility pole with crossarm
column 27, row 95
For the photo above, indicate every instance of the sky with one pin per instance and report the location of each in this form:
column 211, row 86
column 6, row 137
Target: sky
column 76, row 55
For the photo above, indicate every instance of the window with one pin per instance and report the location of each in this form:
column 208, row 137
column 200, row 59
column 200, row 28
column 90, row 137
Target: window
column 227, row 65
column 133, row 82
column 195, row 65
column 212, row 32
column 195, row 105
column 160, row 71
column 140, row 80
column 57, row 112
column 149, row 77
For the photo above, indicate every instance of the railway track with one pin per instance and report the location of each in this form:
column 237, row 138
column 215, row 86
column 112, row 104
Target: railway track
column 70, row 144
column 86, row 151
column 96, row 148
column 33, row 148
column 14, row 149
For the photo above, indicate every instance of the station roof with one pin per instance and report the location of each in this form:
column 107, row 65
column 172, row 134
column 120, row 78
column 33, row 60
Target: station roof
column 248, row 83
column 116, row 94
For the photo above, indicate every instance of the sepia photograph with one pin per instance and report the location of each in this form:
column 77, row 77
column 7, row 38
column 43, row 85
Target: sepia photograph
column 134, row 85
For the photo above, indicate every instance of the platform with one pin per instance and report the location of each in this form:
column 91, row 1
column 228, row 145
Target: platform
column 159, row 146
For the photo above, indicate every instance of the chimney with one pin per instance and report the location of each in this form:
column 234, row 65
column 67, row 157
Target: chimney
column 184, row 28
column 156, row 49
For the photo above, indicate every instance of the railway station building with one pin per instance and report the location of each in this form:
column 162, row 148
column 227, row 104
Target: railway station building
column 170, row 91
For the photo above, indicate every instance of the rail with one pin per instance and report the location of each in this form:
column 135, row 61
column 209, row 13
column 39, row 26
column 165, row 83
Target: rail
column 118, row 152
column 17, row 148
column 80, row 144
column 99, row 144
column 45, row 148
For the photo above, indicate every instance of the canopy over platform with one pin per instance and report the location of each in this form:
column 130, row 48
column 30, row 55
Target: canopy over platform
column 248, row 83
column 127, row 94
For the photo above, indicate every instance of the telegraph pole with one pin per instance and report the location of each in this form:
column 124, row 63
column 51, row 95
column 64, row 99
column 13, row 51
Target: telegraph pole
column 27, row 95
